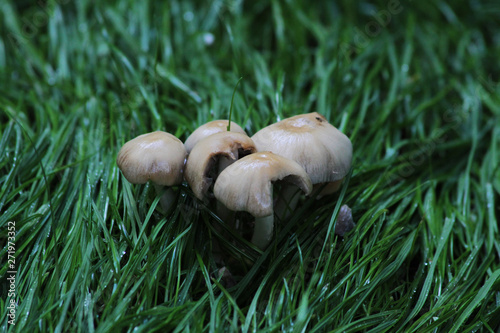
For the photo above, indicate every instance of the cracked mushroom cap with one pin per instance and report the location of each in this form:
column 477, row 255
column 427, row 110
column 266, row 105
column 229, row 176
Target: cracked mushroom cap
column 203, row 164
column 208, row 129
column 156, row 156
column 246, row 185
column 309, row 139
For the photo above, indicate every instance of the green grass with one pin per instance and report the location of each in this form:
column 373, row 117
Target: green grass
column 419, row 99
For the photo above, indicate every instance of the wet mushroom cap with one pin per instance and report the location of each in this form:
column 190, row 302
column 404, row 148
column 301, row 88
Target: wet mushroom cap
column 322, row 150
column 156, row 156
column 208, row 129
column 202, row 160
column 246, row 185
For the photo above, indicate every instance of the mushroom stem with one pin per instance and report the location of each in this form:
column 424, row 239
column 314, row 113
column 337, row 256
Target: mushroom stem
column 263, row 231
column 224, row 162
column 288, row 198
column 225, row 214
column 167, row 198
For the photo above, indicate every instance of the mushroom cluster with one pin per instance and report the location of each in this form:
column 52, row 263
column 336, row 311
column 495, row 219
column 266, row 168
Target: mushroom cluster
column 303, row 154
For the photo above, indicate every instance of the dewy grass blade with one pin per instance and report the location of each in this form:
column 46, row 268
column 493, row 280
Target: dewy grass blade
column 231, row 107
column 483, row 293
column 424, row 293
column 491, row 220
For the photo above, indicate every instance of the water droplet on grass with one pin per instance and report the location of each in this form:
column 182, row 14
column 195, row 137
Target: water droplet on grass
column 208, row 38
column 188, row 16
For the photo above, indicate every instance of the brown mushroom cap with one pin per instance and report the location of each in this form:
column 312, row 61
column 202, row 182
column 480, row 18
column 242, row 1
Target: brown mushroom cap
column 246, row 185
column 156, row 156
column 208, row 129
column 204, row 157
column 322, row 150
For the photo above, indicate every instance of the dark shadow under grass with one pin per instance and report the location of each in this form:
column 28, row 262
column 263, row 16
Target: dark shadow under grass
column 415, row 86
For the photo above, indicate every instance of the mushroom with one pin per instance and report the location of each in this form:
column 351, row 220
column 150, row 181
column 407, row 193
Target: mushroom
column 309, row 139
column 210, row 128
column 213, row 154
column 156, row 156
column 344, row 223
column 246, row 185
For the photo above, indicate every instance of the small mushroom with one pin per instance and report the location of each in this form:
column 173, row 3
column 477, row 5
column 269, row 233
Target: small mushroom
column 213, row 154
column 246, row 185
column 309, row 139
column 345, row 223
column 156, row 156
column 208, row 129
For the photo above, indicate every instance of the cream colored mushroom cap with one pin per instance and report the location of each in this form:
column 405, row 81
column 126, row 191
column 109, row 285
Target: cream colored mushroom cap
column 156, row 156
column 205, row 153
column 208, row 129
column 309, row 139
column 246, row 185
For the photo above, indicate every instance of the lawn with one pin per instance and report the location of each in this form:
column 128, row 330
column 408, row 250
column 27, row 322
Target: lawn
column 415, row 86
